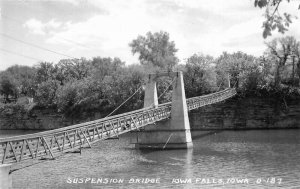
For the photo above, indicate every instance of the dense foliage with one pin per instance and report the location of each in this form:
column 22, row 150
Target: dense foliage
column 78, row 86
column 155, row 49
column 274, row 19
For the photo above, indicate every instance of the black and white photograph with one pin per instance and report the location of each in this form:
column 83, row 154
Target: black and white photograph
column 149, row 94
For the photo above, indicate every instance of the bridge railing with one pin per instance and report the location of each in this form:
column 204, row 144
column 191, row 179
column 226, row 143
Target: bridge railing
column 196, row 102
column 50, row 144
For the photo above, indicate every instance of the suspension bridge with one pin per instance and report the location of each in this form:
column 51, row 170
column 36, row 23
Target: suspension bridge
column 159, row 125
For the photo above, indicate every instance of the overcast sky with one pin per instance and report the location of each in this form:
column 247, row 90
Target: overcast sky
column 50, row 30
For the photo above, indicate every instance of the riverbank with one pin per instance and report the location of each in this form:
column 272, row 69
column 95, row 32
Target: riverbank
column 248, row 113
column 14, row 117
column 236, row 113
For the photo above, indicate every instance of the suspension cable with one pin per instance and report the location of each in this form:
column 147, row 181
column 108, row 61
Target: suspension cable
column 158, row 99
column 234, row 84
column 163, row 92
column 136, row 92
column 220, row 85
column 80, row 147
column 124, row 101
column 166, row 89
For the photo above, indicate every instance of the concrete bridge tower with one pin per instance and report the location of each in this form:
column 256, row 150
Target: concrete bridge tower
column 173, row 133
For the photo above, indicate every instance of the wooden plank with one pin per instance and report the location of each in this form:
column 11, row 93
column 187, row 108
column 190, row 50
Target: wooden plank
column 155, row 114
column 98, row 133
column 42, row 142
column 86, row 138
column 123, row 127
column 113, row 128
column 102, row 130
column 94, row 133
column 5, row 152
column 58, row 145
column 150, row 118
column 14, row 152
column 104, row 126
column 126, row 126
column 75, row 135
column 45, row 142
column 81, row 142
column 135, row 124
column 37, row 147
column 159, row 113
column 31, row 151
column 87, row 132
column 51, row 141
column 63, row 145
column 142, row 118
column 22, row 150
column 69, row 139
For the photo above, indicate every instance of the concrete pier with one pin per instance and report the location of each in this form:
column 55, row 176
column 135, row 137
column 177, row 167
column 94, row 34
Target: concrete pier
column 5, row 177
column 173, row 133
column 150, row 98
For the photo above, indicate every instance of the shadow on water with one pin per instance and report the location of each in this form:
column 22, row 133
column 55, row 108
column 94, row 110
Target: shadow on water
column 195, row 135
column 151, row 150
column 202, row 134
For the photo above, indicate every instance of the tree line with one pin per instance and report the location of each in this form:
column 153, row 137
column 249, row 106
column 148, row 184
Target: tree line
column 100, row 84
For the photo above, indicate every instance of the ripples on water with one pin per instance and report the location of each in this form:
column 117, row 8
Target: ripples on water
column 253, row 155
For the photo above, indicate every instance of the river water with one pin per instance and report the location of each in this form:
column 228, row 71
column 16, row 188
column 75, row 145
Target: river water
column 226, row 159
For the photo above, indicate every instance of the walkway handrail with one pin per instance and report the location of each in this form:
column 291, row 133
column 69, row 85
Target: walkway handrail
column 45, row 133
column 52, row 143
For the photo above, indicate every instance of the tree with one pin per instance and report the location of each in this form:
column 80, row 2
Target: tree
column 281, row 49
column 266, row 73
column 45, row 71
column 296, row 54
column 69, row 69
column 155, row 49
column 273, row 19
column 46, row 92
column 124, row 84
column 7, row 87
column 101, row 67
column 24, row 79
column 234, row 66
column 199, row 75
column 70, row 96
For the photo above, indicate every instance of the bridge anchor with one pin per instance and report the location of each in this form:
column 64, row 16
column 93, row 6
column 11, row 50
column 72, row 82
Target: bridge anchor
column 171, row 133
